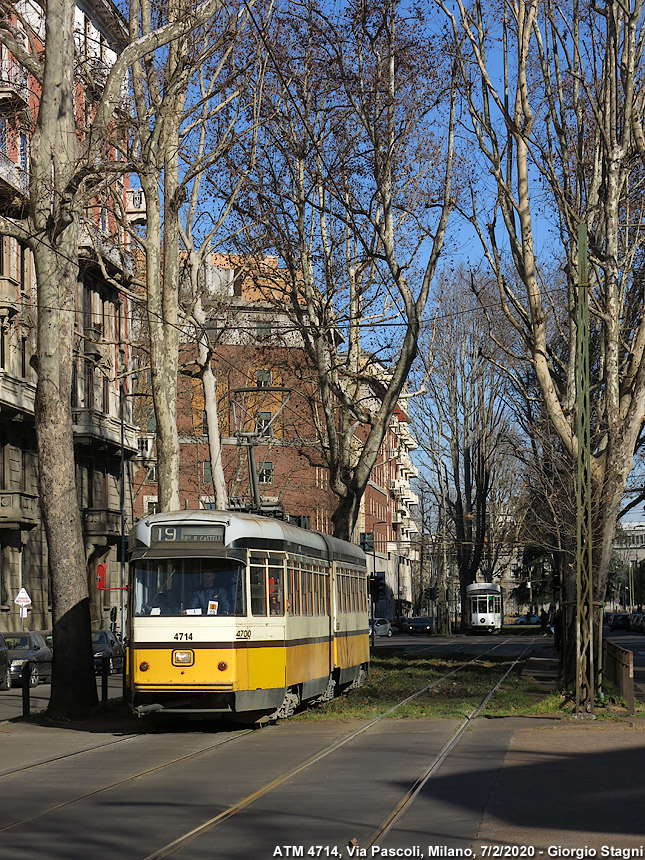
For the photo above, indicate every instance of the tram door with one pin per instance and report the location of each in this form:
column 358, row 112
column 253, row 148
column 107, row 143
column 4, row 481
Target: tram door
column 334, row 619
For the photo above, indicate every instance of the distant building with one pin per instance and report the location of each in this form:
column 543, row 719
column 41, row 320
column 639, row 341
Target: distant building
column 629, row 541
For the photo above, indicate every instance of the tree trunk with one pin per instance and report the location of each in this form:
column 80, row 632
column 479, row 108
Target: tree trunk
column 55, row 222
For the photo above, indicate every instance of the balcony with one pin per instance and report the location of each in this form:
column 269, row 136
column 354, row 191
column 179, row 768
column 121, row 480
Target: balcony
column 9, row 302
column 18, row 510
column 93, row 242
column 14, row 85
column 13, row 175
column 16, row 394
column 97, row 430
column 135, row 206
column 101, row 522
column 411, row 498
column 92, row 346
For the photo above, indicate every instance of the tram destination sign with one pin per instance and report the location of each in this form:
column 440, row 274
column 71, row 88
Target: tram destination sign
column 187, row 534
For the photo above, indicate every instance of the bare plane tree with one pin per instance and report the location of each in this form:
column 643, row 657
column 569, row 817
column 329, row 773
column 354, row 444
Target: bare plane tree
column 353, row 192
column 464, row 430
column 558, row 127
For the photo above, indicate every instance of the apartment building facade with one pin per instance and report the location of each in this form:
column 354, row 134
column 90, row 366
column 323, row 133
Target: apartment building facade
column 104, row 436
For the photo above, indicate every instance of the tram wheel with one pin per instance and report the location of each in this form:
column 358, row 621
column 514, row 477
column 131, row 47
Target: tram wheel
column 289, row 704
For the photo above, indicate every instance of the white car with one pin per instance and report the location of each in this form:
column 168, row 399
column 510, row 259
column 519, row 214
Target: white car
column 382, row 627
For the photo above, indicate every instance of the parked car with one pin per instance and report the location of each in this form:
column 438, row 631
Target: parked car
column 419, row 624
column 29, row 657
column 527, row 619
column 48, row 636
column 620, row 621
column 382, row 627
column 105, row 644
column 607, row 617
column 5, row 670
column 403, row 623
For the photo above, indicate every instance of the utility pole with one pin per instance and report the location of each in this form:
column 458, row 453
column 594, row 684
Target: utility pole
column 585, row 693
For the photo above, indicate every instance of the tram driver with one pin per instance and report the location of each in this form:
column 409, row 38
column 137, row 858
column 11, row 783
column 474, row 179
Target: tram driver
column 209, row 598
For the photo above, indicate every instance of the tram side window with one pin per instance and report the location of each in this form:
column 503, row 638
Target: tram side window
column 324, row 592
column 307, row 590
column 495, row 603
column 341, row 579
column 321, row 605
column 276, row 593
column 294, row 587
column 258, row 587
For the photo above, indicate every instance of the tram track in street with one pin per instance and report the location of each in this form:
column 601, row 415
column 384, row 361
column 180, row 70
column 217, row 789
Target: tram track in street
column 113, row 785
column 271, row 785
column 437, row 761
column 220, row 818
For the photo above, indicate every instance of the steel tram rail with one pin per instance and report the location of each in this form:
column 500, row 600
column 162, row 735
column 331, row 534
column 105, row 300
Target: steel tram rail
column 191, row 835
column 112, row 785
column 436, row 763
column 242, row 804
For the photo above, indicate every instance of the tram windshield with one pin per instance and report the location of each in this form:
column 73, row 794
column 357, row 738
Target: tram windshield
column 188, row 586
column 486, row 603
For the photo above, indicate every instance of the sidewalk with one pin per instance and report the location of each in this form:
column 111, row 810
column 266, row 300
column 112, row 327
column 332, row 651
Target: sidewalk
column 570, row 785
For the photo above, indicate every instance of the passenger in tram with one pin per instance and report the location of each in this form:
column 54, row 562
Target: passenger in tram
column 210, row 597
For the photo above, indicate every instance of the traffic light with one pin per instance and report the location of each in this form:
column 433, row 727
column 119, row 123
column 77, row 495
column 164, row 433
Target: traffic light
column 367, row 541
column 380, row 588
column 101, row 573
column 556, row 579
column 373, row 582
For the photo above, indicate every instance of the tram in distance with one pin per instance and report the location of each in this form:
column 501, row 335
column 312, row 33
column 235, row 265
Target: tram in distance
column 242, row 615
column 485, row 607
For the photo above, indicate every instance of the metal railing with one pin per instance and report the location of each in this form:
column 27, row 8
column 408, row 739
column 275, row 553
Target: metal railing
column 618, row 666
column 14, row 78
column 13, row 174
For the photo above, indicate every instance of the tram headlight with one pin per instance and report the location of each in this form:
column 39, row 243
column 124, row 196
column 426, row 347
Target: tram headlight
column 183, row 658
column 144, row 666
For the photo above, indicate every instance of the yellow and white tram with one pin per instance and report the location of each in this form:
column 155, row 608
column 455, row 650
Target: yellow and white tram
column 235, row 613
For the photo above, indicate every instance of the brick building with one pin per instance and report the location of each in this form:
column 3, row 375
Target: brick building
column 265, row 384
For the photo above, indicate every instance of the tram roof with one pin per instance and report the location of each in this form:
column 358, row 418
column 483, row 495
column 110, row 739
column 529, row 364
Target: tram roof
column 484, row 586
column 254, row 531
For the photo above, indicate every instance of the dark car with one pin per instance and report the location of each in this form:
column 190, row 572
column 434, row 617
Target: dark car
column 419, row 624
column 48, row 636
column 5, row 671
column 29, row 656
column 620, row 621
column 105, row 644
